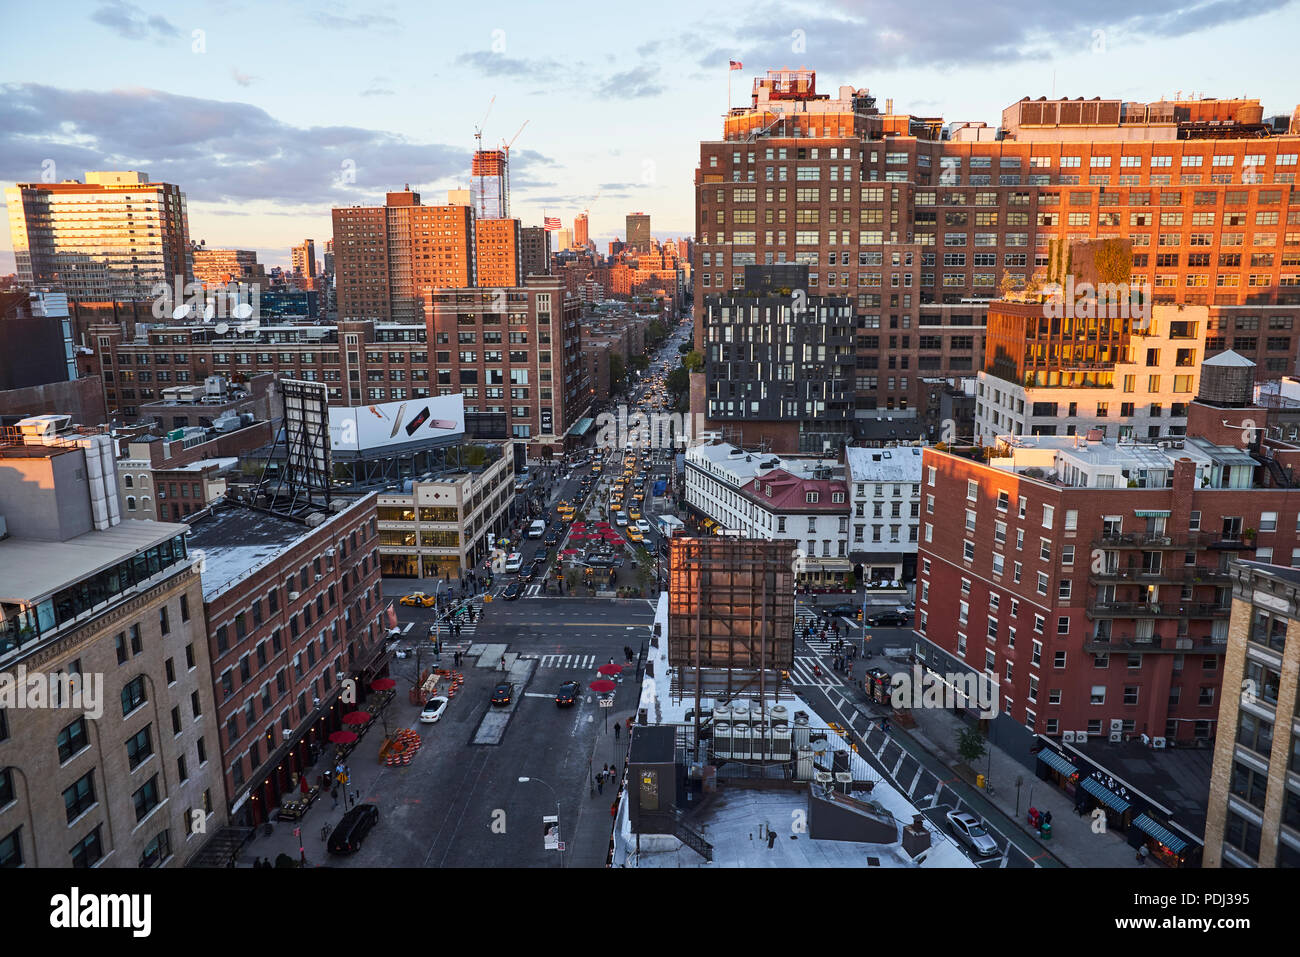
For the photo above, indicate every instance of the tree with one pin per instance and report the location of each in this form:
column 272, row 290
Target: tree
column 684, row 348
column 639, row 363
column 656, row 332
column 693, row 361
column 679, row 381
column 970, row 745
column 617, row 372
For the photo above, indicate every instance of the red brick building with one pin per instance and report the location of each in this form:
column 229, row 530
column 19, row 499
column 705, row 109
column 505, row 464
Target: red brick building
column 1090, row 579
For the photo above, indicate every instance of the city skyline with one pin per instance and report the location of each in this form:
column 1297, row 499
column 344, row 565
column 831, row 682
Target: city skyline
column 360, row 132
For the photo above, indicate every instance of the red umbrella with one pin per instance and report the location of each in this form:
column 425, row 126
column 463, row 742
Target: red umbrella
column 383, row 684
column 302, row 784
column 357, row 717
column 610, row 669
column 603, row 686
column 342, row 737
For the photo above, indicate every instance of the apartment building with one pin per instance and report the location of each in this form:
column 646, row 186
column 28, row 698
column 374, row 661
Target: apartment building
column 1067, row 376
column 882, row 208
column 515, row 353
column 759, row 495
column 113, row 770
column 1254, row 814
column 497, row 254
column 112, row 237
column 447, row 525
column 293, row 607
column 535, row 251
column 884, row 511
column 385, row 257
column 218, row 267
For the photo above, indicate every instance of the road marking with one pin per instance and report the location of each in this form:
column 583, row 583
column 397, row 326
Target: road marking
column 537, row 694
column 408, row 627
column 912, row 788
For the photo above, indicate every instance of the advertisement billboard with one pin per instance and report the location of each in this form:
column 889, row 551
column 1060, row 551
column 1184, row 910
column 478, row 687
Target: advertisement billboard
column 410, row 422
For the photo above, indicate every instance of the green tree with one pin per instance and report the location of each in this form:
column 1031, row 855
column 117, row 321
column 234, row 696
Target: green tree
column 639, row 363
column 693, row 361
column 656, row 332
column 679, row 381
column 970, row 745
column 684, row 348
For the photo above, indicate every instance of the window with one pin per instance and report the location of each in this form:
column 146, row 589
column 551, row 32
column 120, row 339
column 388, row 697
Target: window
column 146, row 798
column 139, row 748
column 88, row 851
column 80, row 796
column 133, row 695
column 72, row 739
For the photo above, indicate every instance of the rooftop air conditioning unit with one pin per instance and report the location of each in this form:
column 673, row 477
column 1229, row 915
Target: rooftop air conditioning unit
column 1158, row 743
column 1081, row 737
column 1116, row 724
column 1116, row 737
column 1068, row 737
column 293, row 595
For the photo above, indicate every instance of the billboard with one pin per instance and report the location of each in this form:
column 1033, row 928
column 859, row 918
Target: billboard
column 409, row 422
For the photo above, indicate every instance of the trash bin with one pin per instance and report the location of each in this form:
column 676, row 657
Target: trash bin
column 979, row 781
column 1045, row 831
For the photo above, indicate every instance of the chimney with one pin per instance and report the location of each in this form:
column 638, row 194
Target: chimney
column 889, row 106
column 916, row 837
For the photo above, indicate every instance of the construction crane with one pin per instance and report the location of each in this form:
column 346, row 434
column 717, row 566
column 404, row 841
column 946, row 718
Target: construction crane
column 505, row 148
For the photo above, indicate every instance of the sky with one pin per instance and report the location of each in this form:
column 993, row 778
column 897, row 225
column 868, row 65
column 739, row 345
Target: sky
column 267, row 115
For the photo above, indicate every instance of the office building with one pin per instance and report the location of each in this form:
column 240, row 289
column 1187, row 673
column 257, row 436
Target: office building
column 638, row 232
column 580, row 237
column 303, row 260
column 219, row 267
column 535, row 250
column 118, row 769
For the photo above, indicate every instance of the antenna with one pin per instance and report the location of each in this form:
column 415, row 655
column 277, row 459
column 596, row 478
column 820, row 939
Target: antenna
column 478, row 148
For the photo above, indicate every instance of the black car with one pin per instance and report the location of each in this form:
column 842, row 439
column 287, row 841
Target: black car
column 845, row 611
column 352, row 830
column 538, row 571
column 889, row 619
column 568, row 694
column 528, row 574
column 552, row 538
column 512, row 590
column 503, row 692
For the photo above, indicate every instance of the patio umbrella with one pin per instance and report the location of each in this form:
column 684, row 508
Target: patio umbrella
column 602, row 686
column 342, row 737
column 610, row 669
column 357, row 718
column 383, row 684
column 303, row 786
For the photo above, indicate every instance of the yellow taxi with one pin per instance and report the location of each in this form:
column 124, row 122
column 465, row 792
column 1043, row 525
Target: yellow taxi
column 634, row 513
column 418, row 599
column 633, row 533
column 596, row 468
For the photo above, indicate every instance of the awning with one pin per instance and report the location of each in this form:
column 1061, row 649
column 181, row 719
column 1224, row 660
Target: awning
column 581, row 427
column 1057, row 763
column 877, row 558
column 1151, row 512
column 828, row 564
column 1104, row 795
column 1161, row 833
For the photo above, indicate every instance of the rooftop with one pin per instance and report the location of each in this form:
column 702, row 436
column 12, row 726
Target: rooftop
column 31, row 569
column 895, row 464
column 742, row 466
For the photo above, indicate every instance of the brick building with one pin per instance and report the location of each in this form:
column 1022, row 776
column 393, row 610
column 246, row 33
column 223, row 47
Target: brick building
column 291, row 605
column 919, row 229
column 497, row 255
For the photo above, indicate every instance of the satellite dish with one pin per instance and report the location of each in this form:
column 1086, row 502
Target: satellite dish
column 181, row 311
column 209, row 312
column 242, row 310
column 221, row 328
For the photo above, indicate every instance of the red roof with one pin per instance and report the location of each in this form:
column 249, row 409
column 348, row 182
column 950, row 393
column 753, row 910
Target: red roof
column 779, row 491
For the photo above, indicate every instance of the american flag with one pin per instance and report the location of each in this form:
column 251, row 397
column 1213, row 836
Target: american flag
column 551, row 223
column 736, row 65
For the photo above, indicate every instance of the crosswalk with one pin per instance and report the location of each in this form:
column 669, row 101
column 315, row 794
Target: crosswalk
column 467, row 629
column 803, row 673
column 567, row 662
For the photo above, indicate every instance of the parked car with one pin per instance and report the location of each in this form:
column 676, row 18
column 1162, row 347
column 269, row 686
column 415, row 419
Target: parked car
column 970, row 830
column 889, row 619
column 433, row 709
column 418, row 599
column 513, row 590
column 503, row 693
column 351, row 831
column 568, row 694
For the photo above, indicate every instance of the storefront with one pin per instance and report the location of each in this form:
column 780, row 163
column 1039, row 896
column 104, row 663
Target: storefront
column 1056, row 769
column 826, row 574
column 1165, row 846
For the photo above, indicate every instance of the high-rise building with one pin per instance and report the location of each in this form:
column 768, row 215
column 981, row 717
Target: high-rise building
column 386, row 256
column 920, row 229
column 638, row 232
column 303, row 259
column 490, row 184
column 497, row 257
column 580, row 230
column 113, row 237
column 535, row 250
column 563, row 239
column 107, row 616
column 1254, row 815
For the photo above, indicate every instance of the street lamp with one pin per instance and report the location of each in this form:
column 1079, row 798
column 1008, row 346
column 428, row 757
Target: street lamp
column 525, row 780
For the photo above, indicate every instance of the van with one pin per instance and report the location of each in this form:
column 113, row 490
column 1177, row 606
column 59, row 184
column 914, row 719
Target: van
column 514, row 562
column 537, row 529
column 352, row 830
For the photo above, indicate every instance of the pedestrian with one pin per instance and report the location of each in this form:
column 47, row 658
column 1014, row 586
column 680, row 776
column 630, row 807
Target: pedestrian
column 600, row 783
column 334, row 793
column 1047, row 818
column 616, row 730
column 613, row 809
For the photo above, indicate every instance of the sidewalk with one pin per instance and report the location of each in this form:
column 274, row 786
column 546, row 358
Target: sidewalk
column 593, row 824
column 1073, row 840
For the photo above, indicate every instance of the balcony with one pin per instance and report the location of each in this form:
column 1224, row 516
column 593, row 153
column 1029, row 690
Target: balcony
column 1177, row 575
column 1157, row 644
column 1159, row 609
column 1149, row 542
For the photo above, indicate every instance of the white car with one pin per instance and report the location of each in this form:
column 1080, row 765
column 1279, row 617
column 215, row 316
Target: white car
column 969, row 830
column 433, row 709
column 643, row 526
column 514, row 562
column 621, row 519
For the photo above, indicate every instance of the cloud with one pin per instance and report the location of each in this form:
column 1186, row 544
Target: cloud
column 130, row 22
column 498, row 64
column 339, row 19
column 216, row 151
column 856, row 36
column 243, row 79
column 638, row 82
column 377, row 91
